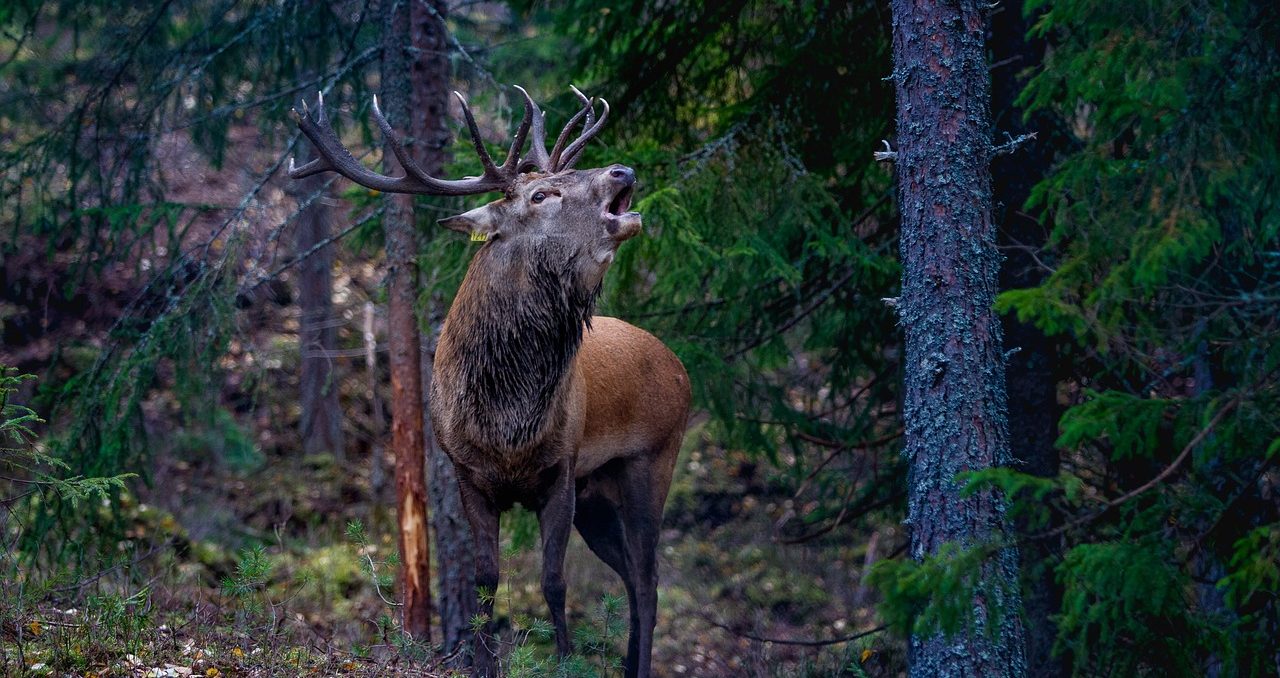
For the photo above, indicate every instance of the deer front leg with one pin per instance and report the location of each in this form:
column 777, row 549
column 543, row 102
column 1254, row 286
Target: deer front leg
column 554, row 520
column 483, row 517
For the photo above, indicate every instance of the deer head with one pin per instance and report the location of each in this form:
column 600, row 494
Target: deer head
column 584, row 214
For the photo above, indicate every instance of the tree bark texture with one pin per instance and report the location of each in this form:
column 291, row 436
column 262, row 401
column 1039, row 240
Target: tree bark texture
column 407, row 438
column 455, row 564
column 1030, row 375
column 455, row 554
column 321, row 422
column 954, row 399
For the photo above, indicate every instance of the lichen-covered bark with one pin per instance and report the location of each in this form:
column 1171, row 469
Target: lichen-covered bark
column 407, row 438
column 455, row 561
column 954, row 402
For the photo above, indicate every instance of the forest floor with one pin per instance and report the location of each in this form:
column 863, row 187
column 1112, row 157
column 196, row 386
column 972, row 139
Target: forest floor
column 254, row 571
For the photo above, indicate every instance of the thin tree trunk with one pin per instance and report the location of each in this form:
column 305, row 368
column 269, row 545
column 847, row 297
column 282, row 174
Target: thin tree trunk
column 954, row 397
column 1031, row 378
column 377, row 455
column 1208, row 565
column 321, row 421
column 455, row 565
column 407, row 437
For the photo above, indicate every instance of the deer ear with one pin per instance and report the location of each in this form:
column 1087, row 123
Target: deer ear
column 481, row 222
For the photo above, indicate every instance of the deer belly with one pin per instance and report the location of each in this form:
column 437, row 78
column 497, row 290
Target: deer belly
column 600, row 449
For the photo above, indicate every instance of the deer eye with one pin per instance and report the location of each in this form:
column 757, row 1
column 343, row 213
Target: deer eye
column 539, row 197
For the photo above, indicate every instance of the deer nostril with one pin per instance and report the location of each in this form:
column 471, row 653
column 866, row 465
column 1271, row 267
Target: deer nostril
column 622, row 173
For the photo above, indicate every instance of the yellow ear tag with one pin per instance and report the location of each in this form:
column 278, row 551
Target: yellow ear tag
column 477, row 236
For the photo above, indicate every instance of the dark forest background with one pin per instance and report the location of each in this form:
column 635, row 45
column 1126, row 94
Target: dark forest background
column 195, row 471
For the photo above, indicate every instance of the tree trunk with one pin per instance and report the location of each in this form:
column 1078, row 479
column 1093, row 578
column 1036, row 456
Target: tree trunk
column 954, row 398
column 1030, row 376
column 455, row 560
column 321, row 423
column 402, row 339
column 455, row 566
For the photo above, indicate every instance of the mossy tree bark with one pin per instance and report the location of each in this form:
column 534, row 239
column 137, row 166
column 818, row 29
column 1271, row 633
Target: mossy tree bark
column 403, row 341
column 954, row 397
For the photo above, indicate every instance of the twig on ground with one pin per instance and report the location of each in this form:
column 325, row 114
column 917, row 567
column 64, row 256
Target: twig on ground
column 373, row 570
column 85, row 582
column 787, row 641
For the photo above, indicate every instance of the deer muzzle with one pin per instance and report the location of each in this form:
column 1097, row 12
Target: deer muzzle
column 620, row 222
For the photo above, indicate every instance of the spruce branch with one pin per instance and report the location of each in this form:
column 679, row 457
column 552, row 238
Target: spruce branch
column 1163, row 475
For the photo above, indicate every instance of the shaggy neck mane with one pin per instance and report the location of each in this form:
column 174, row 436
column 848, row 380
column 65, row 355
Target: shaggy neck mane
column 523, row 312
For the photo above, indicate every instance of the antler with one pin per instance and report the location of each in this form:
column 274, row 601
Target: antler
column 561, row 158
column 335, row 157
column 589, row 130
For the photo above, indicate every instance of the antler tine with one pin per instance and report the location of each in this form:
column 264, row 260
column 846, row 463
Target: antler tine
column 588, row 104
column 511, row 166
column 558, row 150
column 410, row 166
column 575, row 149
column 317, row 165
column 333, row 156
column 490, row 170
column 538, row 142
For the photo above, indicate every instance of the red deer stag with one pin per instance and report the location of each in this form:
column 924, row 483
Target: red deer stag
column 577, row 417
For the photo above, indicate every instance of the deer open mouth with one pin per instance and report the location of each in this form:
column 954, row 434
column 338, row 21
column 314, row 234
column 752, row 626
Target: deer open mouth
column 621, row 202
column 620, row 222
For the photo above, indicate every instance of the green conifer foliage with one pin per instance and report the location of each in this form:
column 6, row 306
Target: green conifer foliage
column 1166, row 281
column 95, row 97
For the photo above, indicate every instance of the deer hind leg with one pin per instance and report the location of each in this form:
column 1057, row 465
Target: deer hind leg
column 619, row 515
column 482, row 515
column 644, row 485
column 599, row 521
column 555, row 519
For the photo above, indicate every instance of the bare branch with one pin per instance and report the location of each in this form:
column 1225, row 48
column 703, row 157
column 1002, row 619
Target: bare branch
column 887, row 155
column 1012, row 144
